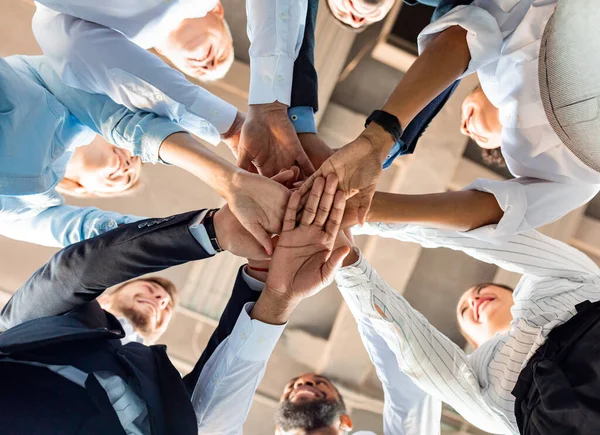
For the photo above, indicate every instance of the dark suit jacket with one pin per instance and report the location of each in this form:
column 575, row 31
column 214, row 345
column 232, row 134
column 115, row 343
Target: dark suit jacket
column 305, row 87
column 55, row 319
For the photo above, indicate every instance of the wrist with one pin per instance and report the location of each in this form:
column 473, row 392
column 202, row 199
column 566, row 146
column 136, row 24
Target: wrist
column 268, row 108
column 220, row 225
column 274, row 307
column 381, row 141
column 258, row 270
column 236, row 126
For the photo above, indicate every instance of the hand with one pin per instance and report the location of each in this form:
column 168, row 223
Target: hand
column 316, row 149
column 269, row 141
column 233, row 237
column 232, row 137
column 305, row 261
column 358, row 168
column 259, row 204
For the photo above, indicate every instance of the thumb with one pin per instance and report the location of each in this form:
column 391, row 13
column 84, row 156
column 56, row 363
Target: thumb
column 244, row 160
column 262, row 237
column 284, row 176
column 335, row 262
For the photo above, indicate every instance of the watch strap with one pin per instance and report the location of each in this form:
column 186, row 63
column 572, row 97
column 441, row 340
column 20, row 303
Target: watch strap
column 209, row 226
column 388, row 122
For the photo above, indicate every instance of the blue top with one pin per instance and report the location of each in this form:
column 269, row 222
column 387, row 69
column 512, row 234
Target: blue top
column 42, row 121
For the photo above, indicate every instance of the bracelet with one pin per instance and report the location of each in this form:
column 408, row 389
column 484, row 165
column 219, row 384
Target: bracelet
column 210, row 229
column 258, row 269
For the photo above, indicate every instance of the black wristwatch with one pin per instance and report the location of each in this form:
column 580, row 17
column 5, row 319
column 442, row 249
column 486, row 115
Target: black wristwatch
column 388, row 122
column 210, row 229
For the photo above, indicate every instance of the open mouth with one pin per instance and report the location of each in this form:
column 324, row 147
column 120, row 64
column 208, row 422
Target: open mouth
column 482, row 304
column 306, row 392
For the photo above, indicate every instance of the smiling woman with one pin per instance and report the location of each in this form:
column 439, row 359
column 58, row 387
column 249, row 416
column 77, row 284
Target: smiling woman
column 100, row 169
column 484, row 311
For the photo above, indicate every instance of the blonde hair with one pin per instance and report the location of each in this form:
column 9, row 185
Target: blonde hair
column 132, row 188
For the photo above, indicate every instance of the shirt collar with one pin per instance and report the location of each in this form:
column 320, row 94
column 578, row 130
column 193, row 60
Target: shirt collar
column 131, row 335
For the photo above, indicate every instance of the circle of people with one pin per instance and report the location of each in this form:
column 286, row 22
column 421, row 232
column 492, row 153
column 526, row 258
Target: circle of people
column 82, row 119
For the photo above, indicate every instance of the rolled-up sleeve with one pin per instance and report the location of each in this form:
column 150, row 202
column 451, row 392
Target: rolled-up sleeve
column 275, row 30
column 484, row 36
column 528, row 203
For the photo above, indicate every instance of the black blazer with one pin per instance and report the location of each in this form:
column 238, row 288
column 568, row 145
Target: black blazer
column 55, row 319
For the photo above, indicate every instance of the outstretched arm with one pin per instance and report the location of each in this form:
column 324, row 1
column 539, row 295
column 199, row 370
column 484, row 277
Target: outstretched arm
column 81, row 272
column 98, row 59
column 436, row 365
column 268, row 141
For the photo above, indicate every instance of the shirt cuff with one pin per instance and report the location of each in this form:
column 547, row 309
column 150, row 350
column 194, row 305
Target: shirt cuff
column 483, row 34
column 199, row 232
column 355, row 281
column 152, row 140
column 219, row 113
column 271, row 80
column 512, row 199
column 303, row 119
column 254, row 339
column 253, row 283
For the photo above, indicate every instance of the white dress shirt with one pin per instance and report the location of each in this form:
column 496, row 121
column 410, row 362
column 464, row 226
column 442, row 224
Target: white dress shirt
column 556, row 277
column 504, row 39
column 101, row 47
column 407, row 409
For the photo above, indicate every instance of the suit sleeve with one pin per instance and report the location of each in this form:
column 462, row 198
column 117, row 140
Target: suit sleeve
column 305, row 90
column 241, row 294
column 81, row 272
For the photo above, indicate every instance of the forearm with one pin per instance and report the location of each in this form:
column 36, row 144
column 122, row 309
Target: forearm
column 442, row 62
column 182, row 150
column 460, row 211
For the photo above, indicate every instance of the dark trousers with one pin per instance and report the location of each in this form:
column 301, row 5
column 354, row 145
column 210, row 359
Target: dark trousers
column 558, row 392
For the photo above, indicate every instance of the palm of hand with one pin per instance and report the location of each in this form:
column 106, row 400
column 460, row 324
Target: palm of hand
column 299, row 260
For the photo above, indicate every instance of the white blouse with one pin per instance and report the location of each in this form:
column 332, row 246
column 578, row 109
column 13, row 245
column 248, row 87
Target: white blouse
column 504, row 39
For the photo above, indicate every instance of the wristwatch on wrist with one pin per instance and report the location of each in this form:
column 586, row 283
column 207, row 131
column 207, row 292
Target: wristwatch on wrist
column 209, row 226
column 388, row 122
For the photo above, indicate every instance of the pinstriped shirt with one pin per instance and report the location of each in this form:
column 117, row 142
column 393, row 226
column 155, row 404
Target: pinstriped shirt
column 556, row 277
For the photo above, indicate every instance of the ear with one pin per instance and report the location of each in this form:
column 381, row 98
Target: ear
column 104, row 301
column 345, row 423
column 218, row 10
column 72, row 187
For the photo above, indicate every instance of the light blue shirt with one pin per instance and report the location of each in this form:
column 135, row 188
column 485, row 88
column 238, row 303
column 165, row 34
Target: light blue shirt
column 42, row 121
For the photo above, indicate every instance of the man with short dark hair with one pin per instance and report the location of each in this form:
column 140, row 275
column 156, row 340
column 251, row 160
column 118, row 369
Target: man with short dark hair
column 312, row 405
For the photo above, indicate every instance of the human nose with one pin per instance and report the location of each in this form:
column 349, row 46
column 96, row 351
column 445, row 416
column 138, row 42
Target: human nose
column 161, row 297
column 304, row 381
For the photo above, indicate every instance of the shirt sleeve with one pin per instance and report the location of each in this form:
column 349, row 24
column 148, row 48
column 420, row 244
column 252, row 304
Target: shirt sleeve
column 223, row 394
column 435, row 364
column 529, row 203
column 275, row 29
column 407, row 409
column 59, row 225
column 98, row 59
column 303, row 119
column 530, row 253
column 487, row 22
column 142, row 133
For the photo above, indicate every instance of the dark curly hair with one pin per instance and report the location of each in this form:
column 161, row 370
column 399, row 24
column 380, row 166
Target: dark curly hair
column 493, row 157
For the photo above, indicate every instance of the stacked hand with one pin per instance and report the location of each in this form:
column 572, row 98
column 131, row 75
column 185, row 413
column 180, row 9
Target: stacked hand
column 305, row 261
column 358, row 168
column 258, row 203
column 269, row 143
